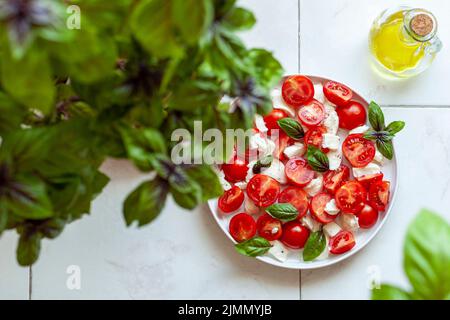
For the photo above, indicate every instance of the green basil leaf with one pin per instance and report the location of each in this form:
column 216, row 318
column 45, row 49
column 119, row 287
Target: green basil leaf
column 3, row 215
column 292, row 128
column 205, row 176
column 317, row 159
column 28, row 248
column 427, row 256
column 376, row 117
column 267, row 70
column 283, row 211
column 395, row 127
column 239, row 19
column 386, row 148
column 314, row 246
column 253, row 247
column 188, row 199
column 388, row 292
column 264, row 162
column 201, row 14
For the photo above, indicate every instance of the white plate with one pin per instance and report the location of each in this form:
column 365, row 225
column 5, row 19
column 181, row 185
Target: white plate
column 362, row 236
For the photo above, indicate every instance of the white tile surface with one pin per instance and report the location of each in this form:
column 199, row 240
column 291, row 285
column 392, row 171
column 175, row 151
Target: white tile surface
column 182, row 255
column 423, row 150
column 334, row 44
column 13, row 278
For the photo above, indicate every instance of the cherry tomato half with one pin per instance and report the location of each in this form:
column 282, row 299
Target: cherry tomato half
column 337, row 93
column 352, row 115
column 342, row 242
column 231, row 199
column 379, row 193
column 368, row 179
column 297, row 197
column 294, row 235
column 333, row 179
column 297, row 90
column 298, row 172
column 242, row 227
column 358, row 151
column 272, row 118
column 269, row 227
column 236, row 170
column 312, row 113
column 314, row 137
column 367, row 217
column 318, row 203
column 263, row 190
column 351, row 197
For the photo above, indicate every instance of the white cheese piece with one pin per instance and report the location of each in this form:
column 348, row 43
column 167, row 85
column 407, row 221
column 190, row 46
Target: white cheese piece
column 331, row 141
column 315, row 186
column 331, row 122
column 310, row 223
column 278, row 102
column 371, row 168
column 331, row 229
column 348, row 222
column 276, row 171
column 278, row 251
column 241, row 184
column 250, row 173
column 318, row 93
column 296, row 150
column 250, row 207
column 361, row 129
column 260, row 124
column 379, row 158
column 261, row 146
column 334, row 159
column 331, row 208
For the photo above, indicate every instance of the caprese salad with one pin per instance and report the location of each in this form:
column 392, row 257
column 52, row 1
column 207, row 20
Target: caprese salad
column 315, row 177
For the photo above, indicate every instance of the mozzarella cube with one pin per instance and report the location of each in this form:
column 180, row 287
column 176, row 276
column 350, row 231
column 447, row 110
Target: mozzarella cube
column 278, row 251
column 371, row 168
column 241, row 184
column 331, row 122
column 296, row 150
column 361, row 129
column 276, row 171
column 310, row 223
column 250, row 173
column 348, row 222
column 260, row 124
column 331, row 208
column 315, row 186
column 318, row 93
column 221, row 175
column 250, row 207
column 331, row 141
column 334, row 159
column 261, row 146
column 278, row 102
column 379, row 158
column 331, row 229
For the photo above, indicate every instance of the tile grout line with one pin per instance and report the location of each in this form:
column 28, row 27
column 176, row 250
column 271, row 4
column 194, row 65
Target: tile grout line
column 415, row 106
column 30, row 282
column 298, row 57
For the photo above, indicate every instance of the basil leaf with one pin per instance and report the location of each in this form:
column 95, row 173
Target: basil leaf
column 264, row 162
column 28, row 249
column 292, row 128
column 317, row 159
column 314, row 246
column 207, row 179
column 376, row 117
column 253, row 247
column 427, row 256
column 388, row 292
column 395, row 127
column 283, row 211
column 378, row 135
column 386, row 148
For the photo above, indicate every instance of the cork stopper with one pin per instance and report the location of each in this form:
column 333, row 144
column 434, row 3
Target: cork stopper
column 422, row 24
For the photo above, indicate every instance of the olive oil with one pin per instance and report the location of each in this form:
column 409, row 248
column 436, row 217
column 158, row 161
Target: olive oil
column 403, row 42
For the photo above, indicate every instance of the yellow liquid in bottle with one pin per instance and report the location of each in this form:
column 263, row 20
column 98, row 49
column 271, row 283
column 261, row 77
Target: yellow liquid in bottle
column 393, row 47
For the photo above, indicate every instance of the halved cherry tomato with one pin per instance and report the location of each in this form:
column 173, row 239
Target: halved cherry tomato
column 269, row 228
column 294, row 235
column 352, row 115
column 272, row 118
column 231, row 199
column 368, row 179
column 298, row 172
column 333, row 179
column 379, row 193
column 358, row 151
column 297, row 197
column 242, row 227
column 312, row 113
column 263, row 190
column 337, row 93
column 342, row 242
column 351, row 197
column 236, row 170
column 297, row 90
column 318, row 203
column 314, row 137
column 280, row 144
column 367, row 217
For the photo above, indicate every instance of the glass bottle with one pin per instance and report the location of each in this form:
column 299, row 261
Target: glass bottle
column 403, row 42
